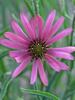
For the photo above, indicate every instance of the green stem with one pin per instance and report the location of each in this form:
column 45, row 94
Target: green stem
column 48, row 88
column 71, row 64
column 73, row 26
column 35, row 6
column 36, row 88
column 71, row 44
column 62, row 97
column 51, row 81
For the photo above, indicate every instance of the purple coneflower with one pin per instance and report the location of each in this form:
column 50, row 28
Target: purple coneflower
column 35, row 46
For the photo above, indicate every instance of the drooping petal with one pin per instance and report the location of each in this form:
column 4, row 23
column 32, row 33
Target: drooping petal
column 34, row 73
column 11, row 44
column 20, row 58
column 55, row 64
column 17, row 53
column 20, row 68
column 52, row 62
column 63, row 66
column 61, row 54
column 59, row 36
column 42, row 72
column 68, row 49
column 27, row 26
column 49, row 23
column 56, row 26
column 17, row 29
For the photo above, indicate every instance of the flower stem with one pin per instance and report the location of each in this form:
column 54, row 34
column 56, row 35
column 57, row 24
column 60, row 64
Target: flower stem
column 71, row 44
column 51, row 81
column 48, row 88
column 71, row 64
column 35, row 6
column 37, row 88
column 73, row 26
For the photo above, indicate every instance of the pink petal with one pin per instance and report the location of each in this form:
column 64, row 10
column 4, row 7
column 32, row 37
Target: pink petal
column 42, row 72
column 27, row 26
column 37, row 24
column 52, row 62
column 34, row 73
column 63, row 66
column 56, row 26
column 55, row 64
column 0, row 40
column 17, row 53
column 59, row 36
column 39, row 21
column 68, row 49
column 61, row 54
column 15, row 37
column 20, row 68
column 33, row 23
column 17, row 29
column 20, row 58
column 11, row 44
column 49, row 23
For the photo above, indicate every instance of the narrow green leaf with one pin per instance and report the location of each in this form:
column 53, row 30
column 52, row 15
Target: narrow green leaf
column 35, row 4
column 40, row 93
column 4, row 88
column 29, row 7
